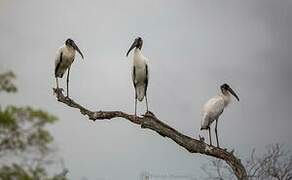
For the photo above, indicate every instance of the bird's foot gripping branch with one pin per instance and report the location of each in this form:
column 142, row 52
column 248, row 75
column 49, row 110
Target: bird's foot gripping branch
column 150, row 121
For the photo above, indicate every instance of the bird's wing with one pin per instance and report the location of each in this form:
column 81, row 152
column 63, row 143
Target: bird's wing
column 134, row 75
column 147, row 77
column 211, row 111
column 58, row 61
column 57, row 57
column 214, row 107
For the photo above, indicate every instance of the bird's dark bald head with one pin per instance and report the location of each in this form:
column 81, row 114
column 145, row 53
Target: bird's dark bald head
column 139, row 42
column 69, row 42
column 224, row 87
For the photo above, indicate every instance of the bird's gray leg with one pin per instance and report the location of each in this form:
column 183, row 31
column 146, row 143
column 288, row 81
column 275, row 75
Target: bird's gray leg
column 146, row 102
column 68, row 81
column 216, row 133
column 57, row 82
column 135, row 104
column 210, row 136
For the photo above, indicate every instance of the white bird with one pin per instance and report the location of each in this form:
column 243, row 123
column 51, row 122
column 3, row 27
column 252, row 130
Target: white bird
column 140, row 72
column 64, row 58
column 214, row 107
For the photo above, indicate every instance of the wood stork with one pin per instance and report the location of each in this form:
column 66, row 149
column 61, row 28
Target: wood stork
column 64, row 58
column 214, row 107
column 140, row 72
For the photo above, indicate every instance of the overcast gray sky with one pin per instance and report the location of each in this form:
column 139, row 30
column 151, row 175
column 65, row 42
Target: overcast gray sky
column 193, row 46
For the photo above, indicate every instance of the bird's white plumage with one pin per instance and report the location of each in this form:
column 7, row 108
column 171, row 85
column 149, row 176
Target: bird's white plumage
column 213, row 108
column 68, row 55
column 140, row 78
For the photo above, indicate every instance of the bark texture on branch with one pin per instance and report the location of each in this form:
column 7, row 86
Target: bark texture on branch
column 150, row 121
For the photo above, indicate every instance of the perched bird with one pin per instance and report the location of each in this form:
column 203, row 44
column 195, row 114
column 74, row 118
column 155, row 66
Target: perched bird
column 64, row 58
column 214, row 107
column 140, row 72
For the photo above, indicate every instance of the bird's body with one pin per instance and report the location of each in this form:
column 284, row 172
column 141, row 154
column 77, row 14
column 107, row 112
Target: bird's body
column 214, row 107
column 64, row 58
column 140, row 74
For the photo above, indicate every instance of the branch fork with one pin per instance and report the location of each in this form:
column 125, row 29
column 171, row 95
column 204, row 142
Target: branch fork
column 150, row 121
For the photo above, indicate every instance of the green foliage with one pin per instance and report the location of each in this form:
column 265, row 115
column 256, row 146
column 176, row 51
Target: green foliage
column 6, row 83
column 17, row 172
column 24, row 139
column 23, row 127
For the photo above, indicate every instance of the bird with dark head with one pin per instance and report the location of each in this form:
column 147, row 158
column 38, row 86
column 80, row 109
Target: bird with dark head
column 64, row 58
column 138, row 43
column 70, row 43
column 225, row 88
column 140, row 72
column 214, row 107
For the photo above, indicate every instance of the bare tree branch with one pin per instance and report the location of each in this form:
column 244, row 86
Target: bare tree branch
column 275, row 164
column 150, row 121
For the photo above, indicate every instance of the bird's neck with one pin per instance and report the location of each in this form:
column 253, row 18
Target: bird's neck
column 226, row 97
column 137, row 52
column 69, row 48
column 138, row 57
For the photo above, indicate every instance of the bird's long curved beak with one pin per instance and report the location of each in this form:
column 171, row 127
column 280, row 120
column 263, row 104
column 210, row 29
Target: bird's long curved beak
column 78, row 50
column 233, row 93
column 132, row 47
